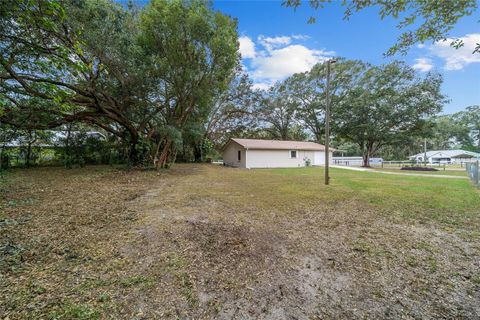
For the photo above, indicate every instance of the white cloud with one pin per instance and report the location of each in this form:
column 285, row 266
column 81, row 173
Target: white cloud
column 274, row 42
column 457, row 59
column 300, row 37
column 280, row 63
column 270, row 43
column 420, row 45
column 262, row 85
column 247, row 47
column 423, row 64
column 275, row 58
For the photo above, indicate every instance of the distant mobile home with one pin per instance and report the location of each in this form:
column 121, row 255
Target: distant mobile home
column 257, row 153
column 446, row 156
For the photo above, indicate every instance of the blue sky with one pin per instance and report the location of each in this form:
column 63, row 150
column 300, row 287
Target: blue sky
column 277, row 41
column 274, row 29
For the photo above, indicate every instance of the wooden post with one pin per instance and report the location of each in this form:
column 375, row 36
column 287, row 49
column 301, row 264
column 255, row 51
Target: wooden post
column 477, row 173
column 327, row 123
column 425, row 153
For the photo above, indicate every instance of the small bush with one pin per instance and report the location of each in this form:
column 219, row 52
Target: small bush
column 5, row 161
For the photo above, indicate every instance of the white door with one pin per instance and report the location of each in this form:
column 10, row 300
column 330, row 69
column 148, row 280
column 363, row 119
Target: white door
column 319, row 158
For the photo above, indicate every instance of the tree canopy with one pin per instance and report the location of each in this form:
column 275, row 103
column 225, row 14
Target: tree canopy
column 420, row 21
column 308, row 91
column 458, row 130
column 139, row 75
column 387, row 105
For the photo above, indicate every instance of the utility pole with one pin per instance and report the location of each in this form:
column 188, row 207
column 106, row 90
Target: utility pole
column 327, row 122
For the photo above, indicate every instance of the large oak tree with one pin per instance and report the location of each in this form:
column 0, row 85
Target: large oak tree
column 389, row 104
column 138, row 74
column 308, row 91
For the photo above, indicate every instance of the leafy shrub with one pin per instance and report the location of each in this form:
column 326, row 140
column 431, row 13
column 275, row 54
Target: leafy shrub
column 5, row 161
column 308, row 162
column 81, row 148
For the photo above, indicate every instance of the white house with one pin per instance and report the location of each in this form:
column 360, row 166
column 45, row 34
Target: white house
column 446, row 156
column 257, row 153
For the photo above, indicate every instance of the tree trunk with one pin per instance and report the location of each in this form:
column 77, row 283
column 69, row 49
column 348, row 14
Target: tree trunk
column 133, row 153
column 68, row 152
column 284, row 133
column 320, row 137
column 367, row 151
column 29, row 153
column 163, row 159
column 133, row 157
column 197, row 153
column 366, row 159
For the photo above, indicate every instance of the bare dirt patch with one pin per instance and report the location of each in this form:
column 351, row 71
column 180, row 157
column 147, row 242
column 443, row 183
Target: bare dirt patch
column 263, row 257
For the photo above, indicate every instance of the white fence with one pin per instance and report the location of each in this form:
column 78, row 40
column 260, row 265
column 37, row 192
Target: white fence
column 473, row 170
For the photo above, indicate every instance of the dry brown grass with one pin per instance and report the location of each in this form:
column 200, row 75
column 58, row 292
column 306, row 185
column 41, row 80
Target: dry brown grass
column 206, row 242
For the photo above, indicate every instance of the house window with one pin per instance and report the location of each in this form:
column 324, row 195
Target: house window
column 239, row 155
column 293, row 154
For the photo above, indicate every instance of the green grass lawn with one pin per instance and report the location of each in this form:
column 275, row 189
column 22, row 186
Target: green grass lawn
column 407, row 195
column 205, row 241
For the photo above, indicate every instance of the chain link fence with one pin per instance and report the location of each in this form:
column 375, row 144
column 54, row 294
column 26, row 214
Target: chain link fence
column 473, row 170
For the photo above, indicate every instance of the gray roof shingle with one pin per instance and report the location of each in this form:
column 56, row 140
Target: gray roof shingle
column 278, row 144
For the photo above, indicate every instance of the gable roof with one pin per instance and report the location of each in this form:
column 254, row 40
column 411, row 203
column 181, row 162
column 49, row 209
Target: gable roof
column 278, row 144
column 449, row 154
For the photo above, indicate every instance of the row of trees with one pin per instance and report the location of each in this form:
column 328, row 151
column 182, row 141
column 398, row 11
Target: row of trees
column 373, row 107
column 461, row 129
column 164, row 81
column 386, row 110
column 71, row 145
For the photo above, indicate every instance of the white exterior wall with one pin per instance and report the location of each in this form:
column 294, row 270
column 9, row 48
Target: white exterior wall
column 277, row 158
column 230, row 155
column 319, row 159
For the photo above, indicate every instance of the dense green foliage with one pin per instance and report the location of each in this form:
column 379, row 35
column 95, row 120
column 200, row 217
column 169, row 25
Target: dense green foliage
column 194, row 53
column 308, row 91
column 233, row 114
column 388, row 106
column 139, row 75
column 458, row 130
